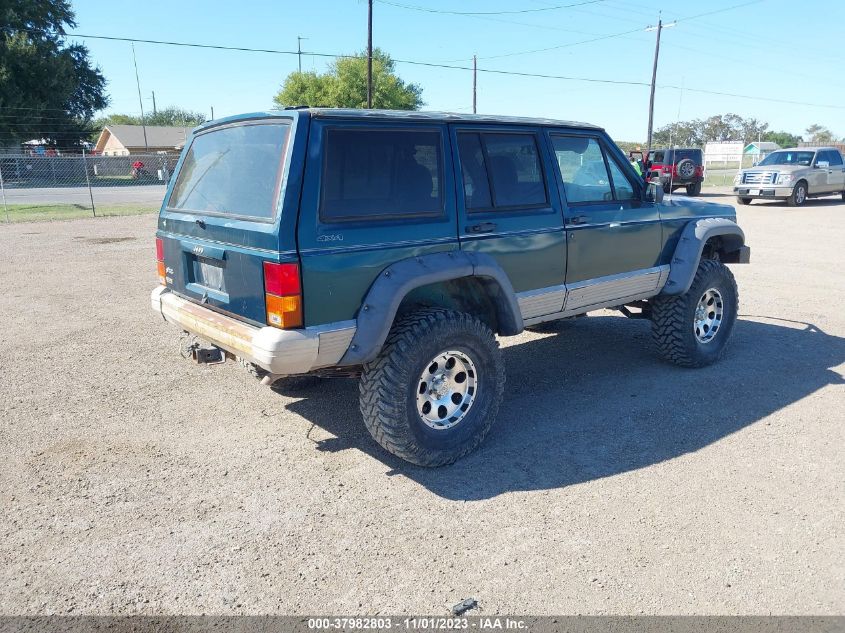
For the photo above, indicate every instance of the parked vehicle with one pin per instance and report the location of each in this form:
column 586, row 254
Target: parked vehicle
column 397, row 245
column 793, row 175
column 677, row 168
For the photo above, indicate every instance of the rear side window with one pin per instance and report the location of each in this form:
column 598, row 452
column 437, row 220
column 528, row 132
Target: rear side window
column 381, row 174
column 233, row 170
column 501, row 171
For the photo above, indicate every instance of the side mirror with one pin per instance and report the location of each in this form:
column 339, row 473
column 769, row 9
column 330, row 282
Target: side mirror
column 654, row 192
column 822, row 164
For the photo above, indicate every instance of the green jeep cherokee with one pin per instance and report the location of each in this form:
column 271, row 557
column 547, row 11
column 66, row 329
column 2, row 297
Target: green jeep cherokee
column 397, row 245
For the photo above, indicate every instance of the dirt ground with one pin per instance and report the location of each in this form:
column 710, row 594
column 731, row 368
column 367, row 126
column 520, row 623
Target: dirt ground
column 134, row 482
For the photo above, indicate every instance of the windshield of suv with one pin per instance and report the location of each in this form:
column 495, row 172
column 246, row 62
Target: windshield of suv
column 788, row 158
column 233, row 170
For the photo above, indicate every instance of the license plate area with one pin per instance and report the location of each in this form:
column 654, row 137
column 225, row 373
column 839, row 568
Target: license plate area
column 208, row 273
column 754, row 192
column 207, row 278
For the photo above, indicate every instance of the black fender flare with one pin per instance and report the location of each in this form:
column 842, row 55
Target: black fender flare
column 688, row 251
column 378, row 310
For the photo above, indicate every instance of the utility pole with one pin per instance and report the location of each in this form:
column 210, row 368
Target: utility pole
column 140, row 101
column 154, row 103
column 369, row 54
column 474, row 81
column 659, row 28
column 299, row 50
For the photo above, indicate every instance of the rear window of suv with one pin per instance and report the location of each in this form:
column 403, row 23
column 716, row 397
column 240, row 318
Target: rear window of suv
column 369, row 174
column 234, row 170
column 675, row 155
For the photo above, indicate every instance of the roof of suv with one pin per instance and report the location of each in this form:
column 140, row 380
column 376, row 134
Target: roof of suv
column 405, row 115
column 808, row 149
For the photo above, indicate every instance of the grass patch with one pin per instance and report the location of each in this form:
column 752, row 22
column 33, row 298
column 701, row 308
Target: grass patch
column 719, row 180
column 44, row 212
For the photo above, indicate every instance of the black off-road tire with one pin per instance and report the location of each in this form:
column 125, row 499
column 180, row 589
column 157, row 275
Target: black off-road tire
column 672, row 318
column 685, row 168
column 388, row 387
column 843, row 195
column 742, row 200
column 795, row 199
column 694, row 189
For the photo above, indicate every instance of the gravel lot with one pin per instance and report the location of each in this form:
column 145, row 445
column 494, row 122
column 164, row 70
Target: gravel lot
column 134, row 482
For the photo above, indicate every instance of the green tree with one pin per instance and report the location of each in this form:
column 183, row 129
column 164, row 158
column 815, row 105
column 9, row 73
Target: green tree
column 820, row 134
column 682, row 133
column 170, row 116
column 784, row 139
column 345, row 86
column 720, row 127
column 48, row 90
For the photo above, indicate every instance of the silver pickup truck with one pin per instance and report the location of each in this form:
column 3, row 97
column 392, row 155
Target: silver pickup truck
column 793, row 175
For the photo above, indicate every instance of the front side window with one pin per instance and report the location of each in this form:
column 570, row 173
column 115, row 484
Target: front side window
column 381, row 174
column 233, row 170
column 622, row 187
column 501, row 171
column 582, row 169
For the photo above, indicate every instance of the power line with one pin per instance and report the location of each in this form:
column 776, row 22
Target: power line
column 731, row 8
column 567, row 45
column 515, row 11
column 458, row 67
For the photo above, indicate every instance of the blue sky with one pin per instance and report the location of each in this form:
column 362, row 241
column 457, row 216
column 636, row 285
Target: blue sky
column 767, row 48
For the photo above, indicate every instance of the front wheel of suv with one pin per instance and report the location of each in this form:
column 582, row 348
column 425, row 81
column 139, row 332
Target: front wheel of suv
column 742, row 200
column 432, row 393
column 693, row 329
column 799, row 195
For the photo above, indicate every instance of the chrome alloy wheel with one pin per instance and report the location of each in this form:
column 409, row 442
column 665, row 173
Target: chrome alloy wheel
column 800, row 194
column 446, row 390
column 708, row 315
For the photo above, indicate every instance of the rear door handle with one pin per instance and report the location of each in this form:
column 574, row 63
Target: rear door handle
column 579, row 219
column 483, row 227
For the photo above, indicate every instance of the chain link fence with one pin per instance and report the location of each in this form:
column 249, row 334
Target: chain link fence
column 49, row 187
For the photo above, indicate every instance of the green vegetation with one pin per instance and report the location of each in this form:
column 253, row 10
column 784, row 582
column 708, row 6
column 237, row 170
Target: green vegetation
column 170, row 116
column 44, row 212
column 345, row 86
column 51, row 89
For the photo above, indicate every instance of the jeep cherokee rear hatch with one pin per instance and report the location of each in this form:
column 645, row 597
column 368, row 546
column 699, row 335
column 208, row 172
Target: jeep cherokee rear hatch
column 224, row 239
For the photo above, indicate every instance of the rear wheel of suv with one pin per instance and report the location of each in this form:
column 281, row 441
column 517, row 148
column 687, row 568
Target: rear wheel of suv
column 431, row 395
column 693, row 329
column 799, row 195
column 694, row 189
column 742, row 200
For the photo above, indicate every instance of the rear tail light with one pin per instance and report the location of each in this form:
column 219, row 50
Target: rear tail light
column 160, row 262
column 282, row 295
